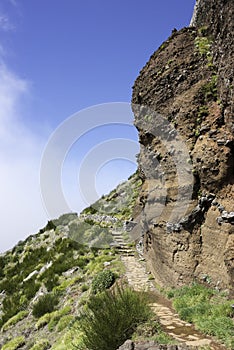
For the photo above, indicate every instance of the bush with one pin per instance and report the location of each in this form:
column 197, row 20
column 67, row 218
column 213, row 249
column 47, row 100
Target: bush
column 43, row 320
column 42, row 344
column 14, row 343
column 64, row 322
column 51, row 282
column 111, row 317
column 56, row 316
column 84, row 288
column 45, row 304
column 102, row 281
column 15, row 319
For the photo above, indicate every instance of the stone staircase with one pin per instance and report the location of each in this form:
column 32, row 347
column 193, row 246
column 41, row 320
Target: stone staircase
column 121, row 245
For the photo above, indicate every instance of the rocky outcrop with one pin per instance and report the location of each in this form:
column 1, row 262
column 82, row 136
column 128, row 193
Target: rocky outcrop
column 183, row 106
column 217, row 18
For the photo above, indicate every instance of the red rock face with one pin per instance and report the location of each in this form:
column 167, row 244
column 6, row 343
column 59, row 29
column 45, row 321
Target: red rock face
column 183, row 106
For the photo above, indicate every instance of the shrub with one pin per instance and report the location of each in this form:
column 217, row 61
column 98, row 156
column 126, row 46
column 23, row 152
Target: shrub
column 13, row 320
column 45, row 304
column 89, row 210
column 42, row 344
column 152, row 329
column 209, row 90
column 49, row 226
column 203, row 45
column 30, row 289
column 64, row 322
column 43, row 320
column 52, row 318
column 51, row 282
column 67, row 283
column 84, row 288
column 102, row 281
column 14, row 343
column 111, row 317
column 2, row 265
column 10, row 307
column 56, row 315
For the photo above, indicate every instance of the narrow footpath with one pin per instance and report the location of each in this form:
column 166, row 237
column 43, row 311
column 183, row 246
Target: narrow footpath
column 138, row 278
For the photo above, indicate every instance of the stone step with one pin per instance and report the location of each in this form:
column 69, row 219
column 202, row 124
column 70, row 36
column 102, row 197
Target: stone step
column 180, row 330
column 122, row 244
column 128, row 252
column 119, row 239
column 116, row 233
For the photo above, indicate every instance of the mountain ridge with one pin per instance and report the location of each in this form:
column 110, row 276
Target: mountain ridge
column 178, row 207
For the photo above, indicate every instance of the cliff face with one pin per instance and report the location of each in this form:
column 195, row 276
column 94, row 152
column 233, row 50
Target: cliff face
column 183, row 106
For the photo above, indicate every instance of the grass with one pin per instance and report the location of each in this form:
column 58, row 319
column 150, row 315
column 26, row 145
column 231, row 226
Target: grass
column 111, row 317
column 15, row 319
column 208, row 309
column 52, row 318
column 151, row 330
column 56, row 316
column 42, row 344
column 14, row 343
column 49, row 245
column 64, row 322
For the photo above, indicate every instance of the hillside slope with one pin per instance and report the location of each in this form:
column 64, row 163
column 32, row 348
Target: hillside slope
column 61, row 261
column 179, row 205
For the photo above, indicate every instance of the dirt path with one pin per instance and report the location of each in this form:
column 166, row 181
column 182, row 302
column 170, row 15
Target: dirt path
column 182, row 331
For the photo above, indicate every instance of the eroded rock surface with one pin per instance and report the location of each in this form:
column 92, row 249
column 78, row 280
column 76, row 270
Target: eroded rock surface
column 183, row 106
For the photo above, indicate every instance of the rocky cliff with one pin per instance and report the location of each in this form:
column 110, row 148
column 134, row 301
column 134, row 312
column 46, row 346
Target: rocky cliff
column 183, row 106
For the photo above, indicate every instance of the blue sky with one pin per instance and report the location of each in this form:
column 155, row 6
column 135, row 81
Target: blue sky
column 58, row 57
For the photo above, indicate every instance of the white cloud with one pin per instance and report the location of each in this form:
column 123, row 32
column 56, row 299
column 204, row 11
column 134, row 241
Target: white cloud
column 13, row 2
column 5, row 23
column 21, row 210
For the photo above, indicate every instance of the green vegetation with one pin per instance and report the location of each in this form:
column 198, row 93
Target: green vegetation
column 103, row 280
column 64, row 270
column 43, row 320
column 84, row 287
column 90, row 210
column 148, row 118
column 14, row 343
column 209, row 90
column 15, row 319
column 120, row 310
column 152, row 330
column 203, row 112
column 96, row 265
column 64, row 322
column 49, row 226
column 57, row 315
column 42, row 344
column 52, row 318
column 118, row 203
column 203, row 45
column 207, row 309
column 45, row 304
column 67, row 283
column 14, row 271
column 90, row 234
